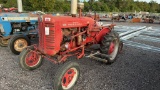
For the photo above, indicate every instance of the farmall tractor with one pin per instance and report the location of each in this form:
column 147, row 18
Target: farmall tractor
column 63, row 36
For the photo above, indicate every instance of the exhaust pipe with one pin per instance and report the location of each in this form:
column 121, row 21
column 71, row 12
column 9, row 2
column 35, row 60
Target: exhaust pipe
column 73, row 8
column 20, row 8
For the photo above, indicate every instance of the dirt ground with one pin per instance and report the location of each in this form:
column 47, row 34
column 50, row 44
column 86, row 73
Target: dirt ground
column 134, row 69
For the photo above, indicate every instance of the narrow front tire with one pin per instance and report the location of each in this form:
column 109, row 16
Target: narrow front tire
column 29, row 59
column 67, row 76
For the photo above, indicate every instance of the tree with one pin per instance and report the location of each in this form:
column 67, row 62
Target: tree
column 3, row 1
column 153, row 6
column 27, row 6
column 105, row 7
column 94, row 5
column 58, row 6
column 86, row 6
column 91, row 3
column 44, row 5
column 10, row 3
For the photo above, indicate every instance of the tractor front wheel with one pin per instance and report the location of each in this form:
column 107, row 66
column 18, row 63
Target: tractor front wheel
column 110, row 46
column 66, row 76
column 30, row 60
column 17, row 43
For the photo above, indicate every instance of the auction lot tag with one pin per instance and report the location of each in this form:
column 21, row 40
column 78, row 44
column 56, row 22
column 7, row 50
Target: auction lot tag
column 46, row 30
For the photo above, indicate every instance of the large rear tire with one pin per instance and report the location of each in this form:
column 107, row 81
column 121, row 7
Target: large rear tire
column 66, row 76
column 30, row 60
column 17, row 43
column 110, row 46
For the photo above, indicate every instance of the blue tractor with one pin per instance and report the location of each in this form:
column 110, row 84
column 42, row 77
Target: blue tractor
column 16, row 30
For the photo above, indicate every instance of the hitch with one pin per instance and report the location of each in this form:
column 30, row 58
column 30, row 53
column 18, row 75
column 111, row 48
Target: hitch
column 98, row 56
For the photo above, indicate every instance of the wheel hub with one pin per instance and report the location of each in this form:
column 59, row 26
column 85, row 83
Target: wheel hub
column 69, row 78
column 112, row 47
column 32, row 59
column 20, row 44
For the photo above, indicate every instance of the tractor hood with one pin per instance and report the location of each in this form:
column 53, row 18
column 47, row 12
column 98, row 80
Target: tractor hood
column 68, row 21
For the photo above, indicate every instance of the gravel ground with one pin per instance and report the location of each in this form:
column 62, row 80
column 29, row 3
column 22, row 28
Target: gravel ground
column 135, row 69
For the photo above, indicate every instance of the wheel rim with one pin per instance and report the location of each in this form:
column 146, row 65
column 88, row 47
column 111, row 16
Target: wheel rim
column 69, row 78
column 113, row 49
column 20, row 44
column 32, row 59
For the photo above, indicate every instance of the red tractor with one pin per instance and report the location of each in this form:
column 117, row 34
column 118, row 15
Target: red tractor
column 63, row 36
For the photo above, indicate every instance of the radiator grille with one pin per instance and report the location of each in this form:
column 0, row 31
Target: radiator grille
column 46, row 42
column 50, row 40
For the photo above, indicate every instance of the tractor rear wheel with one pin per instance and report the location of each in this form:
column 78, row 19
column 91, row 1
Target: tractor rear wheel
column 110, row 46
column 17, row 43
column 66, row 76
column 3, row 43
column 30, row 60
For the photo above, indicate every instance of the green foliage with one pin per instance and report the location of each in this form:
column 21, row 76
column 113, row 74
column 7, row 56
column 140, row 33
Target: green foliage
column 27, row 5
column 10, row 3
column 62, row 6
column 93, row 5
column 3, row 1
column 131, row 5
column 43, row 5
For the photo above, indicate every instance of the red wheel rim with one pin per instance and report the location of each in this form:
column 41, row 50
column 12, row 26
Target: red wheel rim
column 111, row 47
column 32, row 59
column 69, row 78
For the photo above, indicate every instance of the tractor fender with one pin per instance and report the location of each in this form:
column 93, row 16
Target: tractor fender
column 103, row 32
